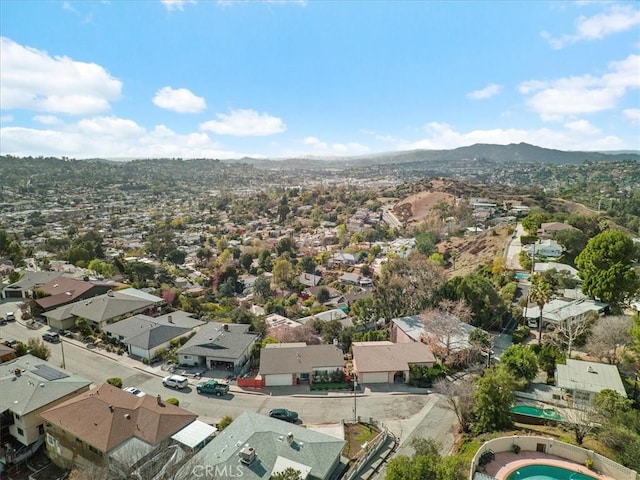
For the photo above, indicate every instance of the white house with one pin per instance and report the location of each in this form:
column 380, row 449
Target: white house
column 584, row 379
column 544, row 248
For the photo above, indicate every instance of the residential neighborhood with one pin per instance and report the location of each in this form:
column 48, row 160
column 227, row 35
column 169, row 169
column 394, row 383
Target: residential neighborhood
column 275, row 332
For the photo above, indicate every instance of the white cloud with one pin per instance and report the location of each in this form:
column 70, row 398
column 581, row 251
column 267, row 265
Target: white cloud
column 578, row 135
column 32, row 79
column 556, row 99
column 618, row 18
column 179, row 100
column 176, row 4
column 110, row 137
column 632, row 114
column 486, row 92
column 315, row 142
column 46, row 119
column 245, row 123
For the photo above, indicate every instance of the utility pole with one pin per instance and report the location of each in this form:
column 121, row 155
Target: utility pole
column 64, row 365
column 355, row 410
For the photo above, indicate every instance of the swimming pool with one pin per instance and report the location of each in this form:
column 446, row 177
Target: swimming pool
column 523, row 276
column 531, row 411
column 547, row 472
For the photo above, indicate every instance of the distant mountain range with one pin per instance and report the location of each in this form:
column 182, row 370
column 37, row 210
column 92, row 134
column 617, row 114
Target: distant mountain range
column 480, row 152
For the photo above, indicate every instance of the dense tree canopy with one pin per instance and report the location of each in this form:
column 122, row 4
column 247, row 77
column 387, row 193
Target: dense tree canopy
column 605, row 267
column 521, row 361
column 494, row 396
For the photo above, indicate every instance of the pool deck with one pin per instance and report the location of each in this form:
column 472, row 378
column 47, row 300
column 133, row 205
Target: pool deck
column 506, row 462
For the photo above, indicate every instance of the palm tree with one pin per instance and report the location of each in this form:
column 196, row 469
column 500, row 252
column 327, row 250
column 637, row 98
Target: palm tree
column 540, row 293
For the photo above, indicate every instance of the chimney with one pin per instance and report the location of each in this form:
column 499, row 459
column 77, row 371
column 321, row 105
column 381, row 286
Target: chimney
column 111, row 408
column 159, row 400
column 290, row 438
column 17, row 372
column 226, row 327
column 170, row 319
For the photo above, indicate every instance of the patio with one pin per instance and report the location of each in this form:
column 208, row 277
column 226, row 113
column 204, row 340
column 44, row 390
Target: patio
column 507, row 462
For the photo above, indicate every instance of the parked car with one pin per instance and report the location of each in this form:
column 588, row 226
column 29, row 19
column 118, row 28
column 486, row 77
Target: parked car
column 11, row 343
column 284, row 414
column 11, row 317
column 134, row 391
column 213, row 387
column 175, row 381
column 66, row 333
column 52, row 337
column 3, row 321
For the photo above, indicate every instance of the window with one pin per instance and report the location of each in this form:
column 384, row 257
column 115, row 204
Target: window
column 51, row 440
column 20, row 432
column 16, row 416
column 40, row 429
column 187, row 357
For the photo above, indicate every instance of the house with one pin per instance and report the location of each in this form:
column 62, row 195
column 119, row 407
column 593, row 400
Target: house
column 28, row 386
column 548, row 230
column 256, row 447
column 329, row 315
column 336, row 298
column 309, row 279
column 24, row 287
column 582, row 380
column 544, row 248
column 63, row 290
column 292, row 363
column 107, row 426
column 144, row 336
column 559, row 312
column 342, row 258
column 541, row 267
column 6, row 353
column 388, row 362
column 355, row 279
column 218, row 346
column 412, row 329
column 104, row 309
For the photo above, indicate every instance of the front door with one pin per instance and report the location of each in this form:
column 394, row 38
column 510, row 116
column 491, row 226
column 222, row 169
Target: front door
column 541, row 447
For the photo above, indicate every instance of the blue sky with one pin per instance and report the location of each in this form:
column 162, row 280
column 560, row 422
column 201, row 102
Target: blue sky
column 225, row 79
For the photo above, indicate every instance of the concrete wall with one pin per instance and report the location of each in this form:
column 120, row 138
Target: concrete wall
column 560, row 449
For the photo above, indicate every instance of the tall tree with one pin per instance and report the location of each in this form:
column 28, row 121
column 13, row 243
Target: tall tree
column 609, row 337
column 494, row 396
column 459, row 397
column 521, row 361
column 540, row 293
column 605, row 266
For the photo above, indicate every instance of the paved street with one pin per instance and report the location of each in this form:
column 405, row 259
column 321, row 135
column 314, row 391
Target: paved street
column 401, row 412
column 513, row 248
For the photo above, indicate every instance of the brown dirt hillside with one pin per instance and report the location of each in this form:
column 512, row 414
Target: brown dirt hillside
column 416, row 208
column 474, row 252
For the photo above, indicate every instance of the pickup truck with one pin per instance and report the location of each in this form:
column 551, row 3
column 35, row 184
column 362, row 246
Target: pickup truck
column 212, row 387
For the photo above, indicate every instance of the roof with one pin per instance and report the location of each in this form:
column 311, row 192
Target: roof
column 411, row 326
column 333, row 314
column 212, row 340
column 559, row 310
column 32, row 279
column 317, row 451
column 385, row 356
column 559, row 267
column 589, row 377
column 106, row 416
column 309, row 279
column 144, row 332
column 299, row 358
column 194, row 434
column 113, row 304
column 39, row 384
column 63, row 290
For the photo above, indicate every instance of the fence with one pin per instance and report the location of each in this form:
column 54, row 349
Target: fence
column 563, row 450
column 372, row 448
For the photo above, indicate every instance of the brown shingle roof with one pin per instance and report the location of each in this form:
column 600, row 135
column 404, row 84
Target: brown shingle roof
column 386, row 356
column 107, row 416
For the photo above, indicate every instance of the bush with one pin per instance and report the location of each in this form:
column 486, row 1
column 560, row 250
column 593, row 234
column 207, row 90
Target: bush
column 588, row 462
column 515, row 448
column 115, row 381
column 173, row 401
column 225, row 422
column 521, row 334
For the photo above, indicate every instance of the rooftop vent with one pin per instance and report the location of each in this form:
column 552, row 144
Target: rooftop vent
column 111, row 408
column 226, row 327
column 170, row 319
column 289, row 438
column 591, row 370
column 127, row 416
column 247, row 454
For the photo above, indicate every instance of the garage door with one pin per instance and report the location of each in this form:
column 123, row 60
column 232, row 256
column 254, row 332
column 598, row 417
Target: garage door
column 278, row 380
column 375, row 377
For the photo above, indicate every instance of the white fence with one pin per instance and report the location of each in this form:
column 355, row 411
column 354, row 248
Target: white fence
column 560, row 449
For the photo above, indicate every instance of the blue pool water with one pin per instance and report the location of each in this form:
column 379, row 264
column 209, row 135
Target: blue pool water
column 522, row 276
column 546, row 472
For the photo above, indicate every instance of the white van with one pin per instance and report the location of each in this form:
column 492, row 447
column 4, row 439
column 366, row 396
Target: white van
column 175, row 381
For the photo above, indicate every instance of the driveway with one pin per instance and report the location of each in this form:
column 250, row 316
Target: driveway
column 513, row 248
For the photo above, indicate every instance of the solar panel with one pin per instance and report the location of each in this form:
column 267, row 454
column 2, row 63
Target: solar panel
column 49, row 373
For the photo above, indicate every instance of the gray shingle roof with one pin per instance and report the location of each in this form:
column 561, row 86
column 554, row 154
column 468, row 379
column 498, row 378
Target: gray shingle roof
column 31, row 390
column 212, row 340
column 293, row 358
column 589, row 377
column 268, row 436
